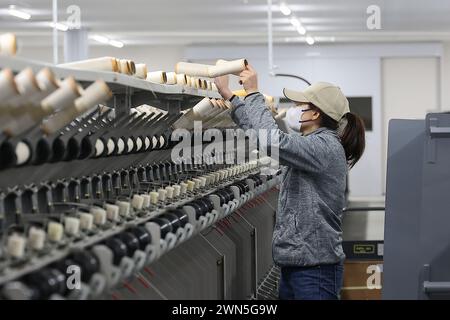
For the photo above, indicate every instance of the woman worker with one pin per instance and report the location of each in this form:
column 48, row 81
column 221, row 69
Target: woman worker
column 307, row 240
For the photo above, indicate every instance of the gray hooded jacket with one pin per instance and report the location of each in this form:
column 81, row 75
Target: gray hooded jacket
column 308, row 222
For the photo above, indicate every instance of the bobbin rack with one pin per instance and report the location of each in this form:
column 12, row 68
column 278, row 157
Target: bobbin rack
column 83, row 219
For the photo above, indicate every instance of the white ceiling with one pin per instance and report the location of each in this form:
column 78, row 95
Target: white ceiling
column 146, row 22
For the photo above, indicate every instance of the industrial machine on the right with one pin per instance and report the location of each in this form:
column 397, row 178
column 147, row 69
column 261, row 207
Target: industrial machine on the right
column 417, row 233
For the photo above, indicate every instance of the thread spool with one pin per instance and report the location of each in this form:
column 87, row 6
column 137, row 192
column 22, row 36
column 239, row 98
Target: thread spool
column 86, row 221
column 16, row 245
column 244, row 185
column 141, row 70
column 211, row 178
column 137, row 202
column 181, row 79
column 120, row 146
column 202, row 204
column 110, row 146
column 159, row 77
column 36, row 238
column 46, row 282
column 183, row 187
column 130, row 241
column 197, row 182
column 142, row 235
column 124, row 66
column 171, row 78
column 112, row 212
column 124, row 208
column 174, row 221
column 23, row 153
column 162, row 193
column 139, row 144
column 95, row 94
column 221, row 196
column 55, row 231
column 130, row 145
column 229, row 193
column 146, row 202
column 147, row 143
column 202, row 181
column 154, row 143
column 108, row 64
column 208, row 203
column 72, row 226
column 8, row 44
column 190, row 185
column 8, row 85
column 87, row 262
column 162, row 141
column 99, row 147
column 170, row 192
column 164, row 225
column 182, row 216
column 154, row 197
column 99, row 215
column 176, row 190
column 118, row 248
column 199, row 208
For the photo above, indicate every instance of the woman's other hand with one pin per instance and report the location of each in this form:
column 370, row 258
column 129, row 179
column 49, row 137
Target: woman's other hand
column 249, row 79
column 223, row 87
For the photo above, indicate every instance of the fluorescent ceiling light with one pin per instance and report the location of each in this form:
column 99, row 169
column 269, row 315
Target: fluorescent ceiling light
column 301, row 30
column 105, row 40
column 59, row 26
column 295, row 22
column 115, row 43
column 18, row 13
column 100, row 39
column 310, row 40
column 285, row 9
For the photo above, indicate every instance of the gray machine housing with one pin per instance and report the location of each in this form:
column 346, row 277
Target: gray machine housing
column 417, row 224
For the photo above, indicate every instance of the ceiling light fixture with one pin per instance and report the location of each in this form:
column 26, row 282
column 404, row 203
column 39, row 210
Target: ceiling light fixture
column 105, row 40
column 301, row 29
column 115, row 43
column 285, row 9
column 59, row 26
column 310, row 40
column 18, row 13
column 100, row 38
column 295, row 22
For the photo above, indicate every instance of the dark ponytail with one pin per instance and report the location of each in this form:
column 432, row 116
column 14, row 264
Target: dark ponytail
column 353, row 137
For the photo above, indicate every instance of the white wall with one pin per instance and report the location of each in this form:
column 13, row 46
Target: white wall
column 445, row 77
column 411, row 89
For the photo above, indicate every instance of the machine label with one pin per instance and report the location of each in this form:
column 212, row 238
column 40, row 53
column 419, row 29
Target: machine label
column 364, row 248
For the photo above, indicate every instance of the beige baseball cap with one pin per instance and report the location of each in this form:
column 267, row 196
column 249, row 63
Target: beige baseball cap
column 326, row 96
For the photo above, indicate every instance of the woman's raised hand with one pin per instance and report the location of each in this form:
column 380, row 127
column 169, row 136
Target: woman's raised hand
column 249, row 79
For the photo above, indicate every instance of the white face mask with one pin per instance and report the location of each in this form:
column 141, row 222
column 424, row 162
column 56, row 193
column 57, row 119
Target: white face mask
column 294, row 116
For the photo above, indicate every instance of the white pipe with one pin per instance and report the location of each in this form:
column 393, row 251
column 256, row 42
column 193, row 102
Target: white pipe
column 55, row 32
column 270, row 36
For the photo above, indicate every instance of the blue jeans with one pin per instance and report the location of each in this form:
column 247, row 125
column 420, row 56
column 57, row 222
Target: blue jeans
column 323, row 282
